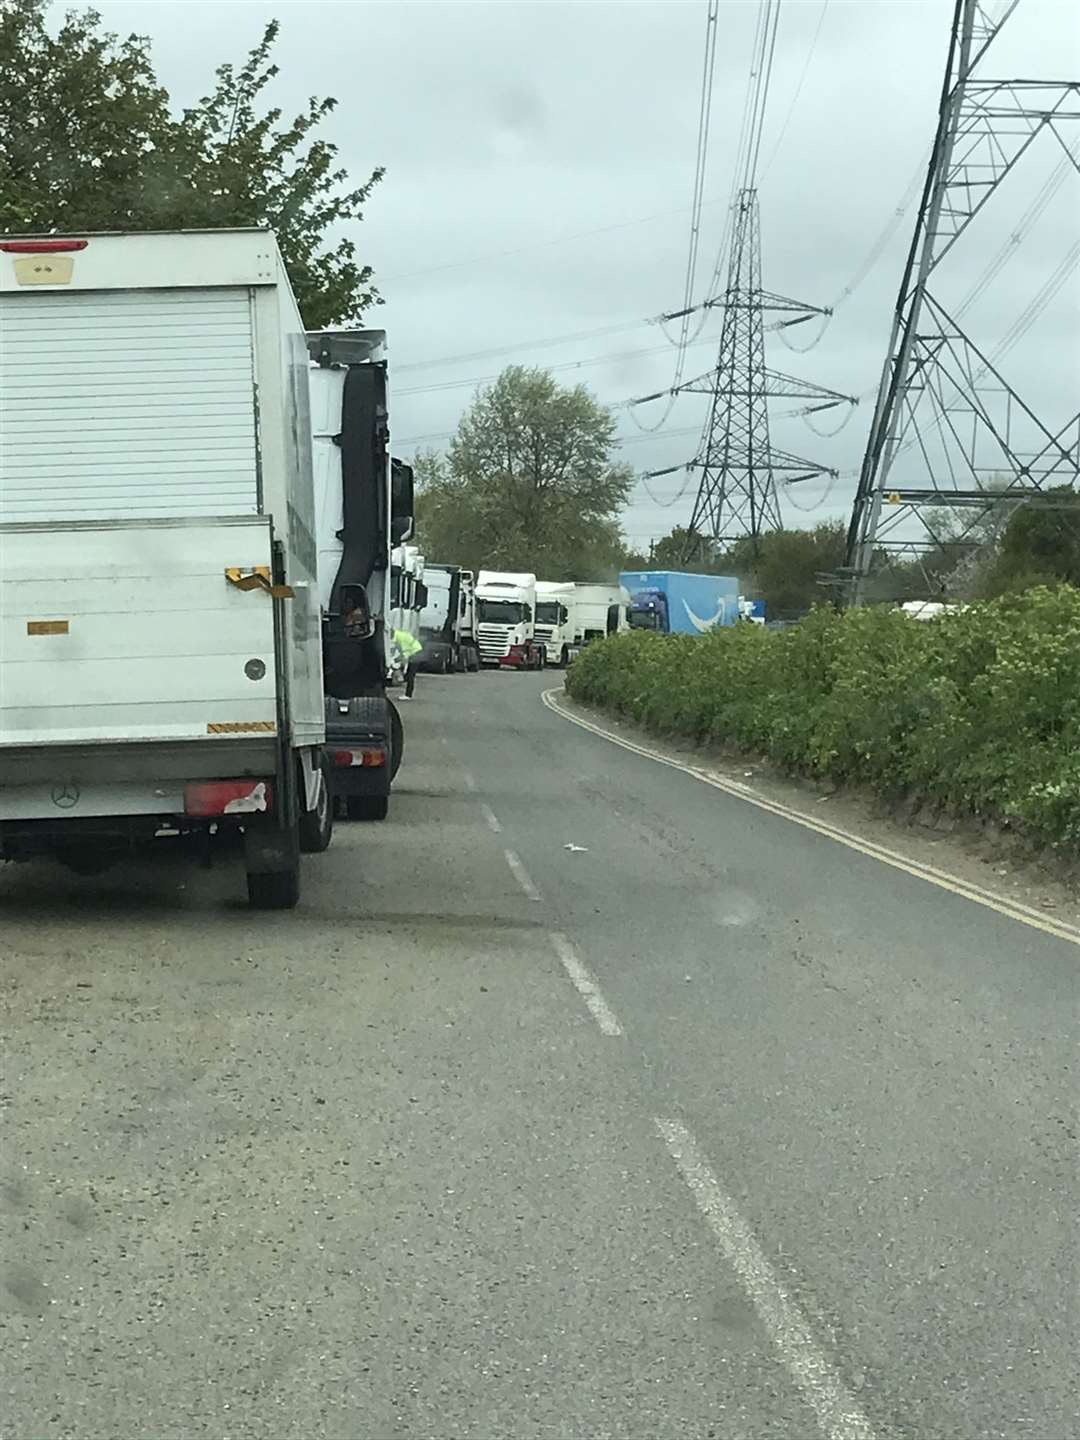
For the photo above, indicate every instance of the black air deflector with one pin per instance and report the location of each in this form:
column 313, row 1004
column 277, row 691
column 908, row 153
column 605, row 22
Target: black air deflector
column 364, row 440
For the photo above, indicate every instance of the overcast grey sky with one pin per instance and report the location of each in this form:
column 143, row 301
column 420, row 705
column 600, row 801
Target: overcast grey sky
column 539, row 166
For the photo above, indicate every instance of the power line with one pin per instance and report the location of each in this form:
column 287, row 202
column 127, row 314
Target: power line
column 1012, row 244
column 700, row 161
column 540, row 244
column 562, row 365
column 754, row 149
column 546, row 343
column 798, row 88
column 700, row 157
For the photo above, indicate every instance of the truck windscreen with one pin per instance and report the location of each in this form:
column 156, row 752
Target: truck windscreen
column 501, row 612
column 644, row 620
column 549, row 612
column 433, row 616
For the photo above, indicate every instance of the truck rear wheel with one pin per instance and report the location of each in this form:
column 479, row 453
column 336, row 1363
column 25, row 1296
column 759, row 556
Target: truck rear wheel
column 397, row 739
column 276, row 889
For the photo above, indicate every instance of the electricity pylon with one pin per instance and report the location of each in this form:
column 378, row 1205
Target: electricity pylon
column 971, row 448
column 740, row 468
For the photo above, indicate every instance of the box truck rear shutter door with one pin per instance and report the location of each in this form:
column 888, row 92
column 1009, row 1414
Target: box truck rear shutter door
column 126, row 404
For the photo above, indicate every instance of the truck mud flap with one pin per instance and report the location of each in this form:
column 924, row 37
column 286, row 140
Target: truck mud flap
column 270, row 848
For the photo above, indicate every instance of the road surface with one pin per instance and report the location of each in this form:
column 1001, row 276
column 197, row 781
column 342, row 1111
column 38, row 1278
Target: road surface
column 578, row 1100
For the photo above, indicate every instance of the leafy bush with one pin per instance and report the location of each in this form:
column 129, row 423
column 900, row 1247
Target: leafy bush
column 978, row 710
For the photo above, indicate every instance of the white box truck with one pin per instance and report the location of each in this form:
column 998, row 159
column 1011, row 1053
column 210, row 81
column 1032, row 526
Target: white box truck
column 160, row 658
column 505, row 608
column 556, row 620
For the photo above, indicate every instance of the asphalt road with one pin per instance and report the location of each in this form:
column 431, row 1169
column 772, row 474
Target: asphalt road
column 708, row 1128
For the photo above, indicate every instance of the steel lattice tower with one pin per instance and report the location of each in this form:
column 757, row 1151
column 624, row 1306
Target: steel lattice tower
column 943, row 408
column 740, row 467
column 737, row 493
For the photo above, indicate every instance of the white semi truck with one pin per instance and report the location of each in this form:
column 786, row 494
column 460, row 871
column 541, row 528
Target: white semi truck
column 160, row 648
column 599, row 610
column 448, row 620
column 505, row 606
column 556, row 620
column 364, row 505
column 409, row 593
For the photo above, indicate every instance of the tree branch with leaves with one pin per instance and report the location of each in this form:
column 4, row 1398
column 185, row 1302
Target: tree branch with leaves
column 89, row 141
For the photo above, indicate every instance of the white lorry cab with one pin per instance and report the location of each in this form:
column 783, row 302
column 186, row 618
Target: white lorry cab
column 408, row 594
column 599, row 610
column 160, row 648
column 505, row 606
column 556, row 620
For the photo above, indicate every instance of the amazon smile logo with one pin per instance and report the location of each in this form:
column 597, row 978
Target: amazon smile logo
column 700, row 624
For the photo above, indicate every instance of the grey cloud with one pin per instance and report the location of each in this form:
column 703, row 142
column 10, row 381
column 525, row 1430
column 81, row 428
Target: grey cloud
column 505, row 126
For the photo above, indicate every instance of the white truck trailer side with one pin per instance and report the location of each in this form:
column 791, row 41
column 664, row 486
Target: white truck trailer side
column 160, row 654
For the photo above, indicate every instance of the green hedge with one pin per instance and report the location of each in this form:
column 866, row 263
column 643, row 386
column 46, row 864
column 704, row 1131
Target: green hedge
column 978, row 710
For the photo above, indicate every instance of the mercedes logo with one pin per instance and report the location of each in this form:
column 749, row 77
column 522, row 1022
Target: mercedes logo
column 66, row 796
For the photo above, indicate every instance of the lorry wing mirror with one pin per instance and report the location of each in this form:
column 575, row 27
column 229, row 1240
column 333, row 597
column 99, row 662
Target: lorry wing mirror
column 612, row 619
column 421, row 595
column 356, row 613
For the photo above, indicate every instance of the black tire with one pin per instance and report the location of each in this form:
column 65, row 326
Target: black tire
column 397, row 739
column 317, row 826
column 367, row 807
column 276, row 890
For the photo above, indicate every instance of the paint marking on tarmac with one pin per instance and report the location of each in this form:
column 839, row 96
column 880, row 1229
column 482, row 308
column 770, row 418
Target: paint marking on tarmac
column 586, row 986
column 490, row 818
column 968, row 889
column 521, row 875
column 470, row 780
column 838, row 1416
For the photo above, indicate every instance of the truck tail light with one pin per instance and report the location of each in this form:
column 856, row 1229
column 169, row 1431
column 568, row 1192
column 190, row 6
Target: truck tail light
column 41, row 247
column 370, row 756
column 203, row 798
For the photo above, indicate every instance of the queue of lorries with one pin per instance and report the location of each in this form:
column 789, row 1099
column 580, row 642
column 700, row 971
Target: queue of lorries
column 206, row 572
column 510, row 619
column 519, row 622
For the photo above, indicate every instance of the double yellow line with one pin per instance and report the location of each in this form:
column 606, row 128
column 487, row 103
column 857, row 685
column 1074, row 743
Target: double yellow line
column 1003, row 904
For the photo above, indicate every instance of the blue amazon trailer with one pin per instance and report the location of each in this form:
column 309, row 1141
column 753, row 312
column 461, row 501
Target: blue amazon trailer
column 673, row 603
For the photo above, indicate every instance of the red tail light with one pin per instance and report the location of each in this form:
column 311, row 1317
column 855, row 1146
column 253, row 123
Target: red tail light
column 226, row 797
column 41, row 247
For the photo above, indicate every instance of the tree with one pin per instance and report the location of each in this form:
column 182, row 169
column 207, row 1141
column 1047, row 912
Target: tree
column 1040, row 546
column 88, row 141
column 528, row 484
column 671, row 550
